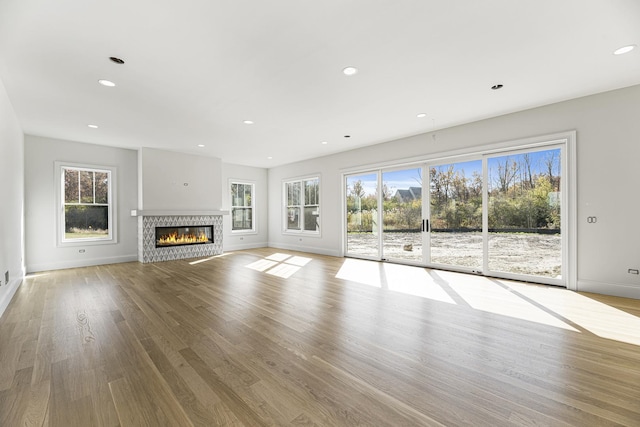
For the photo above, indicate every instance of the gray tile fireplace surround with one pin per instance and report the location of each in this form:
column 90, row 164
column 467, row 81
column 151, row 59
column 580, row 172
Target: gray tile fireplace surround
column 147, row 251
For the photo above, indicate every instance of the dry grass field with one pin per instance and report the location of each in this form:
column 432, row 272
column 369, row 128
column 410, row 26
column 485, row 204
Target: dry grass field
column 523, row 253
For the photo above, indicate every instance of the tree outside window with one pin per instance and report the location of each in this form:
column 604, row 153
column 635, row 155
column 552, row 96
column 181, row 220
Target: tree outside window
column 86, row 210
column 242, row 207
column 303, row 205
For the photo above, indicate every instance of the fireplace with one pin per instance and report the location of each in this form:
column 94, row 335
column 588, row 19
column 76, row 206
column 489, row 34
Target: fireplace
column 152, row 226
column 183, row 235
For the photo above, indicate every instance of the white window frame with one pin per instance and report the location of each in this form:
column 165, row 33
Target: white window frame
column 112, row 237
column 253, row 229
column 301, row 206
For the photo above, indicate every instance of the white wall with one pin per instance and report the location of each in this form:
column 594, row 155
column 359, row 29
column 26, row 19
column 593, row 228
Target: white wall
column 42, row 251
column 608, row 173
column 258, row 176
column 11, row 200
column 178, row 181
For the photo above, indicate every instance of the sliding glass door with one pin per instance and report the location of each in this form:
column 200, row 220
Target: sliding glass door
column 497, row 214
column 455, row 215
column 524, row 235
column 363, row 237
column 402, row 215
column 385, row 215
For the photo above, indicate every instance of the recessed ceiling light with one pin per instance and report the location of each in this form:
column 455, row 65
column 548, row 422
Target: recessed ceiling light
column 496, row 87
column 624, row 49
column 248, row 122
column 93, row 126
column 421, row 115
column 350, row 71
column 324, row 142
column 201, row 145
column 269, row 157
column 116, row 60
column 107, row 83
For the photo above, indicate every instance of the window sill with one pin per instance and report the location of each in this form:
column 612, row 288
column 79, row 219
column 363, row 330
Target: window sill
column 243, row 232
column 88, row 242
column 301, row 233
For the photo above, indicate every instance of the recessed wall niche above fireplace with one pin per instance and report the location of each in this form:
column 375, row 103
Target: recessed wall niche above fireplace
column 171, row 237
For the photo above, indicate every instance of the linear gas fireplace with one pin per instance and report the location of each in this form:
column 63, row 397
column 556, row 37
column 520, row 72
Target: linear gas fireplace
column 163, row 237
column 183, row 235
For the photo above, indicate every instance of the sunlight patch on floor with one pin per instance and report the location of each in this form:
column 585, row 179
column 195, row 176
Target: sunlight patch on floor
column 485, row 294
column 278, row 257
column 414, row 281
column 210, row 258
column 299, row 261
column 360, row 271
column 280, row 265
column 542, row 304
column 262, row 265
column 394, row 277
column 283, row 270
column 35, row 275
column 596, row 317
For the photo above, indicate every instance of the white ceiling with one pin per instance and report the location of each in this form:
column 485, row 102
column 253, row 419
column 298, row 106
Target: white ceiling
column 195, row 69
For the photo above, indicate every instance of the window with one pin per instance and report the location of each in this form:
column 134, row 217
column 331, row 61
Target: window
column 302, row 205
column 86, row 204
column 242, row 206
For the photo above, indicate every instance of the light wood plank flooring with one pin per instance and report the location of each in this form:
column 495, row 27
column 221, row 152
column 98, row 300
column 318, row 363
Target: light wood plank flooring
column 268, row 337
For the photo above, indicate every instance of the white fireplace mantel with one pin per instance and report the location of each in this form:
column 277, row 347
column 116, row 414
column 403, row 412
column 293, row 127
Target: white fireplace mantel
column 154, row 212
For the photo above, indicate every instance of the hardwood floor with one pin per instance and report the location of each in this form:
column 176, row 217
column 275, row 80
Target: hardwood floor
column 271, row 337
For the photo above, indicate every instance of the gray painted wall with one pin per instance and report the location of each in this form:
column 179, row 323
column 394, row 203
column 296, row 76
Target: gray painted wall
column 42, row 251
column 171, row 181
column 11, row 200
column 608, row 172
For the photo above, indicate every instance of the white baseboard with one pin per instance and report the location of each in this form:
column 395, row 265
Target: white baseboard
column 32, row 268
column 607, row 288
column 13, row 286
column 231, row 248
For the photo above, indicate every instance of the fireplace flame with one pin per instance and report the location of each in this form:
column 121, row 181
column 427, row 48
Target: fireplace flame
column 181, row 239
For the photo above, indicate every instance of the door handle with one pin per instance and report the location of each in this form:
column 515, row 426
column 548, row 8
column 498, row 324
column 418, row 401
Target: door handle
column 425, row 225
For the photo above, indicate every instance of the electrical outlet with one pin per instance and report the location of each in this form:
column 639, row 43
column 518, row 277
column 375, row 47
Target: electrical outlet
column 633, row 271
column 6, row 277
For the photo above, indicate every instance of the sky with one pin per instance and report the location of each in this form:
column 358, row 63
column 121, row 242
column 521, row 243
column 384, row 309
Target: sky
column 411, row 177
